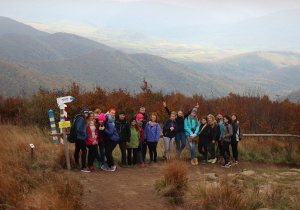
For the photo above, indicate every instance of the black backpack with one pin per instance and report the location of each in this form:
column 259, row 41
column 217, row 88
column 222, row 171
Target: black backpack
column 240, row 134
column 73, row 137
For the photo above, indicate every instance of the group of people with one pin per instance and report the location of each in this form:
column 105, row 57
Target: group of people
column 100, row 133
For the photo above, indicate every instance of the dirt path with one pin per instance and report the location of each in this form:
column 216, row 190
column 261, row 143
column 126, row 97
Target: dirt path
column 134, row 188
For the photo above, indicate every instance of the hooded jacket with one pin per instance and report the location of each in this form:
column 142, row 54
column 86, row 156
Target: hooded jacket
column 188, row 126
column 166, row 129
column 227, row 132
column 109, row 133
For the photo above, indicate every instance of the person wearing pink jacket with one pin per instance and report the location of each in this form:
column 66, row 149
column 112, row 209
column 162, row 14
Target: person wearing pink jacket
column 91, row 142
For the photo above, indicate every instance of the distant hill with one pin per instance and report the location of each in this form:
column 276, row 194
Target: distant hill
column 49, row 47
column 116, row 69
column 290, row 75
column 9, row 26
column 293, row 96
column 13, row 80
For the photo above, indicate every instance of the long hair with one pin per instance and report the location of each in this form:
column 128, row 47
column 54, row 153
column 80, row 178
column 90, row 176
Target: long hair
column 228, row 118
column 214, row 122
column 236, row 119
column 196, row 120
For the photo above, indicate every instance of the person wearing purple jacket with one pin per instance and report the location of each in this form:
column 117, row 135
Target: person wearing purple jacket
column 152, row 135
column 110, row 136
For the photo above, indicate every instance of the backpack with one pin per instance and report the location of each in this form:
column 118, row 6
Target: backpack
column 73, row 137
column 240, row 134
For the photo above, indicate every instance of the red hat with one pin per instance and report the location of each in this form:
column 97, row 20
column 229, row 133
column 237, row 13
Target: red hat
column 102, row 117
column 139, row 116
column 112, row 109
column 219, row 112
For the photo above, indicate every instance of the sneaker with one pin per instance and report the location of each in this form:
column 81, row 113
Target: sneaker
column 103, row 167
column 228, row 165
column 142, row 165
column 91, row 168
column 113, row 168
column 204, row 162
column 223, row 165
column 214, row 161
column 98, row 165
column 234, row 162
column 134, row 166
column 128, row 166
column 85, row 170
column 210, row 160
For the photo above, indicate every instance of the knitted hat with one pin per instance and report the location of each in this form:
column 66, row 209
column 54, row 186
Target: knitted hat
column 122, row 112
column 132, row 119
column 84, row 110
column 195, row 110
column 112, row 109
column 102, row 117
column 219, row 112
column 139, row 116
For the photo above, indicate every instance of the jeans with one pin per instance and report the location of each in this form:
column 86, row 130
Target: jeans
column 180, row 137
column 226, row 152
column 122, row 146
column 109, row 147
column 93, row 152
column 135, row 154
column 80, row 145
column 168, row 143
column 101, row 154
column 192, row 145
column 152, row 151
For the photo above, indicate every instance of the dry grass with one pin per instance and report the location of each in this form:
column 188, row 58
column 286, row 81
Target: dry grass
column 33, row 183
column 174, row 183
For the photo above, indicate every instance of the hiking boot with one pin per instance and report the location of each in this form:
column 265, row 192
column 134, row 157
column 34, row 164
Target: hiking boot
column 128, row 166
column 98, row 165
column 193, row 162
column 204, row 162
column 214, row 161
column 196, row 161
column 85, row 170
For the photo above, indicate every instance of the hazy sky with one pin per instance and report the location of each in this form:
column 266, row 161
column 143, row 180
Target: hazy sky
column 253, row 7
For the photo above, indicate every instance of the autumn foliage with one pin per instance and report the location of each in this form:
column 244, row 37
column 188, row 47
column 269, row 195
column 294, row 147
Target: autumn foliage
column 256, row 113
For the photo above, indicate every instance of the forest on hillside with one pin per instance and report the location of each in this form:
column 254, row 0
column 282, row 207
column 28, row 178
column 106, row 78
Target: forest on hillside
column 256, row 113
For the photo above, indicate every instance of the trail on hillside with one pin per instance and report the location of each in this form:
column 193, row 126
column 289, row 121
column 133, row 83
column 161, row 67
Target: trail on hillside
column 129, row 188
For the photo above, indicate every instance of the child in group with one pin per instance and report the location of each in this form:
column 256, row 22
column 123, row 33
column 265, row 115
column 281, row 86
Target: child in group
column 226, row 140
column 110, row 138
column 204, row 138
column 134, row 142
column 215, row 134
column 142, row 143
column 152, row 135
column 191, row 127
column 91, row 142
column 101, row 153
column 169, row 131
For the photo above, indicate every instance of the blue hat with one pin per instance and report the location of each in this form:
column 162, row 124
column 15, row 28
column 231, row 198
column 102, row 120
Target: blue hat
column 84, row 110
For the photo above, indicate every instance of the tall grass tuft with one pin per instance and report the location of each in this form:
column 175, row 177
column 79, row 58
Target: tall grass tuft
column 174, row 183
column 27, row 182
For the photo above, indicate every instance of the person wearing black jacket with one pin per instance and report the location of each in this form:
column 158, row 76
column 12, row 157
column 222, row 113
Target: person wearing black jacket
column 204, row 138
column 180, row 134
column 169, row 131
column 235, row 138
column 215, row 134
column 123, row 129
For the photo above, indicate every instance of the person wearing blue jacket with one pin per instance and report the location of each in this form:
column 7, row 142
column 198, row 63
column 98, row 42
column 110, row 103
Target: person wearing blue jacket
column 110, row 136
column 152, row 135
column 169, row 131
column 220, row 143
column 81, row 136
column 191, row 127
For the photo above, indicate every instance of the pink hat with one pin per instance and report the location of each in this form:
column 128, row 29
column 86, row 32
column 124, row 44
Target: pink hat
column 219, row 112
column 139, row 116
column 102, row 117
